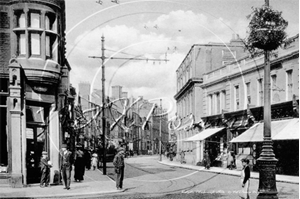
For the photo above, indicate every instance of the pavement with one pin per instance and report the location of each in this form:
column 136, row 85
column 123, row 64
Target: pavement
column 234, row 172
column 95, row 183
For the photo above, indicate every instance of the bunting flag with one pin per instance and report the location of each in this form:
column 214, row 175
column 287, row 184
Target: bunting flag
column 149, row 116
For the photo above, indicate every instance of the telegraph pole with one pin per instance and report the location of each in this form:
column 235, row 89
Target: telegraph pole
column 160, row 117
column 103, row 106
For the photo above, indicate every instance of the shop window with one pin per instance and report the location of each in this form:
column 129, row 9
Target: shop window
column 35, row 44
column 34, row 20
column 21, row 50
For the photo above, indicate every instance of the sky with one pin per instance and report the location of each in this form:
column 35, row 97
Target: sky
column 153, row 29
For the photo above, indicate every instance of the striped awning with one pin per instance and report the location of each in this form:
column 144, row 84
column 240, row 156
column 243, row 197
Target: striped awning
column 280, row 130
column 203, row 134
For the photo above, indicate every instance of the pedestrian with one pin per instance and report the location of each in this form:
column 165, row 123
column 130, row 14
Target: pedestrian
column 233, row 157
column 94, row 160
column 119, row 164
column 245, row 179
column 87, row 159
column 229, row 160
column 66, row 166
column 182, row 157
column 45, row 165
column 79, row 164
column 206, row 160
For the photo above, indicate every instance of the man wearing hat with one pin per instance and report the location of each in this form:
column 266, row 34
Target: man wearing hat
column 45, row 170
column 119, row 164
column 66, row 165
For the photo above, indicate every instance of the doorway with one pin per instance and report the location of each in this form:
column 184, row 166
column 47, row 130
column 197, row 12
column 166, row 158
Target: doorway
column 36, row 141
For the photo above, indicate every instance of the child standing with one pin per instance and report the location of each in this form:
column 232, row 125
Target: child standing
column 94, row 161
column 45, row 170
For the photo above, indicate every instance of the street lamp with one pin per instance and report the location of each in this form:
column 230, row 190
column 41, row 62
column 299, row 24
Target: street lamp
column 267, row 33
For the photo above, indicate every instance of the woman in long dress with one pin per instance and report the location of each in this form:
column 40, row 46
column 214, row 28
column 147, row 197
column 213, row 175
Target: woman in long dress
column 79, row 164
column 245, row 179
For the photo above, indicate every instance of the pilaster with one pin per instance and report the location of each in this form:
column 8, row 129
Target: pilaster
column 15, row 106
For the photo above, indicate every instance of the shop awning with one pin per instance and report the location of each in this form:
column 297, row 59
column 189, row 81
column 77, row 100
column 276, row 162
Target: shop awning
column 290, row 132
column 280, row 130
column 203, row 134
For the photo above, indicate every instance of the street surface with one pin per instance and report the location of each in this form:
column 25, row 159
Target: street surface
column 146, row 178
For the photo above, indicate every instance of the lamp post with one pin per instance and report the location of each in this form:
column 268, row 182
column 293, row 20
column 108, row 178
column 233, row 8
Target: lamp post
column 267, row 161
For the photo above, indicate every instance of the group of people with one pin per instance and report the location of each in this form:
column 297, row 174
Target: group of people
column 78, row 159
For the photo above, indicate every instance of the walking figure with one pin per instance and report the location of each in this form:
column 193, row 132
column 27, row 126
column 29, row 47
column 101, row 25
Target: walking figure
column 45, row 165
column 66, row 166
column 206, row 160
column 119, row 164
column 245, row 179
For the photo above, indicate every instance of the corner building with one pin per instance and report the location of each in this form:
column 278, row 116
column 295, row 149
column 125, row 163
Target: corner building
column 34, row 87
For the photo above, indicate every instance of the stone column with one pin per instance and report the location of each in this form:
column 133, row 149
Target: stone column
column 15, row 124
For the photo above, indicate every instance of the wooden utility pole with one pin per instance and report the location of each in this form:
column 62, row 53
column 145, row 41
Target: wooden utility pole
column 160, row 117
column 103, row 107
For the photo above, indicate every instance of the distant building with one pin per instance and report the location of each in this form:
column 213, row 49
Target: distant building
column 128, row 130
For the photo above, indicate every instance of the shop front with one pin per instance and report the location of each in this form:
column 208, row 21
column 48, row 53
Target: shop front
column 212, row 140
column 285, row 136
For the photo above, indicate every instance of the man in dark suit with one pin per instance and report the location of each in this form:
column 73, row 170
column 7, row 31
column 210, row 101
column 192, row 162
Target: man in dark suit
column 119, row 164
column 66, row 165
column 45, row 170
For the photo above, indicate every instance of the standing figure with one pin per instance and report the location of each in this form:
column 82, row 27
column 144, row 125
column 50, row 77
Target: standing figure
column 119, row 164
column 87, row 159
column 245, row 179
column 229, row 160
column 79, row 164
column 182, row 157
column 66, row 166
column 233, row 156
column 45, row 165
column 206, row 160
column 94, row 161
